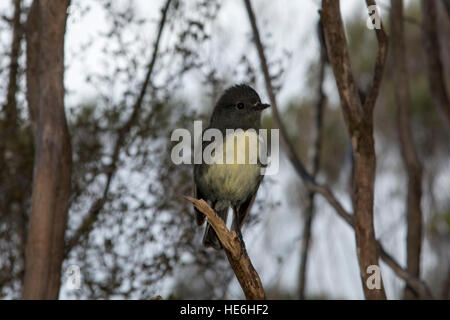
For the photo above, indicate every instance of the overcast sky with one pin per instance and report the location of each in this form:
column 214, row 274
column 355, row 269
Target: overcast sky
column 291, row 24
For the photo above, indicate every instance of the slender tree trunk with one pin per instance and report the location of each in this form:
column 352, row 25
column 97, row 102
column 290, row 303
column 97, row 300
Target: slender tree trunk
column 10, row 130
column 11, row 159
column 435, row 66
column 11, row 104
column 359, row 120
column 314, row 159
column 446, row 4
column 409, row 154
column 53, row 160
column 33, row 52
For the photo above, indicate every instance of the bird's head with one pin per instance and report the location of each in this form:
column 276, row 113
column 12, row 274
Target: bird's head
column 239, row 107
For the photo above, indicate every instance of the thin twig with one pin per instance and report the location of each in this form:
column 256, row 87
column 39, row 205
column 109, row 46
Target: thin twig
column 380, row 63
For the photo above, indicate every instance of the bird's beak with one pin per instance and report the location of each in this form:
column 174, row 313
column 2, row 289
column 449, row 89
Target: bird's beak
column 262, row 106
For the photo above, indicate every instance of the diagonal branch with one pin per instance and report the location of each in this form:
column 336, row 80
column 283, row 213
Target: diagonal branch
column 416, row 284
column 289, row 149
column 122, row 134
column 236, row 252
column 374, row 89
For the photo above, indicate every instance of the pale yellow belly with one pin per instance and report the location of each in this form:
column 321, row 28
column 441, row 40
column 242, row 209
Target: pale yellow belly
column 233, row 179
column 233, row 182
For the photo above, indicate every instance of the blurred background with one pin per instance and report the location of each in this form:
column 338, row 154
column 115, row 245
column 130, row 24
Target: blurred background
column 142, row 240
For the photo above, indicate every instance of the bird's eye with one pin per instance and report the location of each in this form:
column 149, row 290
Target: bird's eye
column 240, row 106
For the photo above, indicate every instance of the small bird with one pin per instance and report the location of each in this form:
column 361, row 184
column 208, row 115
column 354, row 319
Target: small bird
column 235, row 184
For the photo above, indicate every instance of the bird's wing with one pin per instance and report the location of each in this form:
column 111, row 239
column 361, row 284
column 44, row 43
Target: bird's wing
column 244, row 209
column 199, row 217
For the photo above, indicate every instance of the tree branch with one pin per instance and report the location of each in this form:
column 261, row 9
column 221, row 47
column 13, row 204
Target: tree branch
column 10, row 107
column 372, row 94
column 340, row 61
column 416, row 284
column 314, row 162
column 419, row 286
column 289, row 149
column 236, row 253
column 409, row 154
column 359, row 121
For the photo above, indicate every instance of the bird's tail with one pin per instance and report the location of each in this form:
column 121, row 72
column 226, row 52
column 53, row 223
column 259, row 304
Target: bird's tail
column 210, row 238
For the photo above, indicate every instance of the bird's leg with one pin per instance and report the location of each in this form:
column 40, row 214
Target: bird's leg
column 235, row 226
column 239, row 233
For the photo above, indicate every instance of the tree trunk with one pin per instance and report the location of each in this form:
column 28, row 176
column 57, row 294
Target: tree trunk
column 314, row 161
column 409, row 154
column 359, row 120
column 435, row 66
column 53, row 160
column 33, row 52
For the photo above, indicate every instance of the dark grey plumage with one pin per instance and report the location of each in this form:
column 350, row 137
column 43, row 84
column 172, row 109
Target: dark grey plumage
column 239, row 107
